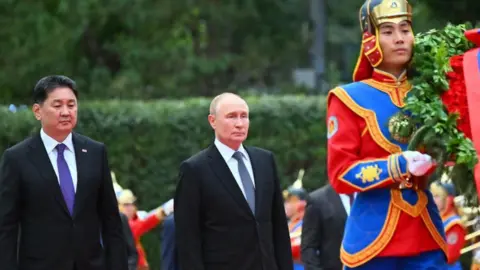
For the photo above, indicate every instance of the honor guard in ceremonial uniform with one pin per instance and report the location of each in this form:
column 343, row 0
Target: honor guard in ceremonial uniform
column 444, row 194
column 295, row 200
column 394, row 222
column 474, row 222
column 140, row 225
column 475, row 260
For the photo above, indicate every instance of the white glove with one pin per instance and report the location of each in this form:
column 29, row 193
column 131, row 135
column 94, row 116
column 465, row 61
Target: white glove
column 168, row 207
column 418, row 163
column 142, row 214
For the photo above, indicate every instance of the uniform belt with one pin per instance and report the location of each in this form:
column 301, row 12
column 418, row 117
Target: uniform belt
column 403, row 186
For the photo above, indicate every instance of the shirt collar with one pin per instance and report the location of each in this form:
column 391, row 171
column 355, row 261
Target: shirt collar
column 385, row 77
column 348, row 196
column 50, row 143
column 388, row 83
column 227, row 152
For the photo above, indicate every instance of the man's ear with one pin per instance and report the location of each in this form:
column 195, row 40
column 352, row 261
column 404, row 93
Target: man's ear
column 36, row 111
column 211, row 120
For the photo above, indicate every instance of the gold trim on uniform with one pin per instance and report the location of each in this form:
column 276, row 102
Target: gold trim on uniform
column 370, row 119
column 453, row 222
column 391, row 90
column 379, row 244
column 412, row 210
column 433, row 231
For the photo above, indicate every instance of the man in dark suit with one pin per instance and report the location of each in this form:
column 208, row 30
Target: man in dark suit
column 323, row 227
column 56, row 193
column 169, row 248
column 132, row 254
column 229, row 212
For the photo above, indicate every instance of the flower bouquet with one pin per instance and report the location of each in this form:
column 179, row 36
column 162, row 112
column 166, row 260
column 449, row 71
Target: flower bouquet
column 438, row 104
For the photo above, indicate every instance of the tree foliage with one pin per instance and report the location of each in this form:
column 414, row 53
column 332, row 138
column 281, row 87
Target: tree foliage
column 173, row 48
column 151, row 49
column 455, row 12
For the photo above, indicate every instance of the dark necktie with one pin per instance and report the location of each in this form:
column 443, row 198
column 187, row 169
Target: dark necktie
column 246, row 181
column 351, row 197
column 66, row 181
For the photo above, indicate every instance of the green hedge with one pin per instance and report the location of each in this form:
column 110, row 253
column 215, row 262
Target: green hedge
column 147, row 141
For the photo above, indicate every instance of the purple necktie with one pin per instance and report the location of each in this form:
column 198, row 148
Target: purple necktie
column 66, row 181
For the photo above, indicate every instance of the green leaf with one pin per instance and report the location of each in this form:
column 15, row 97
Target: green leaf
column 440, row 134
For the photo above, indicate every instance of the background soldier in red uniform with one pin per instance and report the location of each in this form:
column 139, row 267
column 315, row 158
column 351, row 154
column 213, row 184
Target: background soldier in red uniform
column 444, row 194
column 295, row 200
column 394, row 222
column 140, row 225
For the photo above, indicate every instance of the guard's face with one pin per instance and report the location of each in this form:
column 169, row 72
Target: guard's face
column 58, row 114
column 396, row 41
column 291, row 206
column 128, row 209
column 439, row 201
column 231, row 121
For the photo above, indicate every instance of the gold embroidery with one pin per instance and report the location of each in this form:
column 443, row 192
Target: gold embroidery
column 369, row 252
column 392, row 167
column 412, row 210
column 372, row 250
column 402, row 176
column 370, row 119
column 369, row 173
column 382, row 182
column 391, row 90
column 434, row 231
column 401, row 127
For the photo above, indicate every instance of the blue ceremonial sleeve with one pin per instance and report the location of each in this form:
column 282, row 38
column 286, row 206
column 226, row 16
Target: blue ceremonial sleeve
column 367, row 174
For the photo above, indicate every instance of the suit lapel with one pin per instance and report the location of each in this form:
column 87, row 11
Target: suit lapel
column 81, row 158
column 39, row 158
column 223, row 173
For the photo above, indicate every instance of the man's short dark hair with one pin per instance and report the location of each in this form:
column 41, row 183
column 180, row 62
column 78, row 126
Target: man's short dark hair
column 49, row 83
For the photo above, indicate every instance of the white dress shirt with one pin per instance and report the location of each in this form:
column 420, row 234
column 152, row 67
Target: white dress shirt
column 69, row 154
column 227, row 154
column 346, row 202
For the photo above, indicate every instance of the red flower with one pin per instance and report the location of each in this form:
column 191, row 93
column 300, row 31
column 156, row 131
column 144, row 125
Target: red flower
column 455, row 98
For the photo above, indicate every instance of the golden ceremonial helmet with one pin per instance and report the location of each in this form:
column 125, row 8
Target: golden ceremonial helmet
column 375, row 12
column 126, row 197
column 296, row 189
column 372, row 14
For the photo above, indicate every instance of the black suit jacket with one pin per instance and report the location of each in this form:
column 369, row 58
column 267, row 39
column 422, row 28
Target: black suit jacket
column 32, row 208
column 132, row 254
column 215, row 228
column 322, row 230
